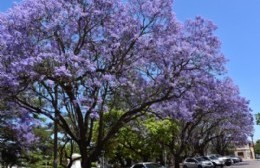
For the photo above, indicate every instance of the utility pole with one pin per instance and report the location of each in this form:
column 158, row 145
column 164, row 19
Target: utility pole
column 253, row 146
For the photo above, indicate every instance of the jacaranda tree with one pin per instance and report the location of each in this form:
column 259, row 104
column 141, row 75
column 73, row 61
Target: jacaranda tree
column 213, row 109
column 16, row 133
column 222, row 113
column 74, row 60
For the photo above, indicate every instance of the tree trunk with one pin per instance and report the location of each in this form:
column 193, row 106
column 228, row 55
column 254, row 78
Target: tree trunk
column 200, row 150
column 177, row 161
column 85, row 158
column 85, row 163
column 145, row 158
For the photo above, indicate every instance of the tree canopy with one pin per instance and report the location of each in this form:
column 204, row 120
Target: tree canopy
column 83, row 59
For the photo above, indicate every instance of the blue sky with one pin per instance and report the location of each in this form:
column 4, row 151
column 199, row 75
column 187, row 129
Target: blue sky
column 238, row 24
column 5, row 4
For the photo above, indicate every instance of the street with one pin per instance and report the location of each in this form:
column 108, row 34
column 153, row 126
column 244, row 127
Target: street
column 246, row 164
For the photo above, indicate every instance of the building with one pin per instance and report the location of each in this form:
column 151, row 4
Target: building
column 246, row 152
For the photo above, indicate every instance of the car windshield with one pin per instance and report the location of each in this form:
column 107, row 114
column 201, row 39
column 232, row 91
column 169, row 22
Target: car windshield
column 206, row 158
column 200, row 159
column 153, row 165
column 213, row 157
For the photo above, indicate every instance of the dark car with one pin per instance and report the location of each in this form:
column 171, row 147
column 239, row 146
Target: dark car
column 229, row 162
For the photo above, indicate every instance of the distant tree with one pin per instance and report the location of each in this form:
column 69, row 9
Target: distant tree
column 143, row 139
column 16, row 133
column 229, row 117
column 217, row 114
column 257, row 147
column 40, row 154
column 257, row 116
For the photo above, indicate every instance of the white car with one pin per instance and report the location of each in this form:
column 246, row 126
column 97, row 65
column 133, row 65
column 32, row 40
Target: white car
column 146, row 165
column 226, row 159
column 197, row 162
column 217, row 162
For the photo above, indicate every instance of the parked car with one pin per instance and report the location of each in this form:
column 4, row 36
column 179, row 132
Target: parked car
column 227, row 160
column 197, row 162
column 146, row 165
column 236, row 159
column 217, row 162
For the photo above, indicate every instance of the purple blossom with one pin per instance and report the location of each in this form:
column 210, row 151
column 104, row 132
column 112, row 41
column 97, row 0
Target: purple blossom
column 128, row 55
column 94, row 115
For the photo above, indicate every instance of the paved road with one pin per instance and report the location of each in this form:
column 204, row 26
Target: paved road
column 246, row 164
